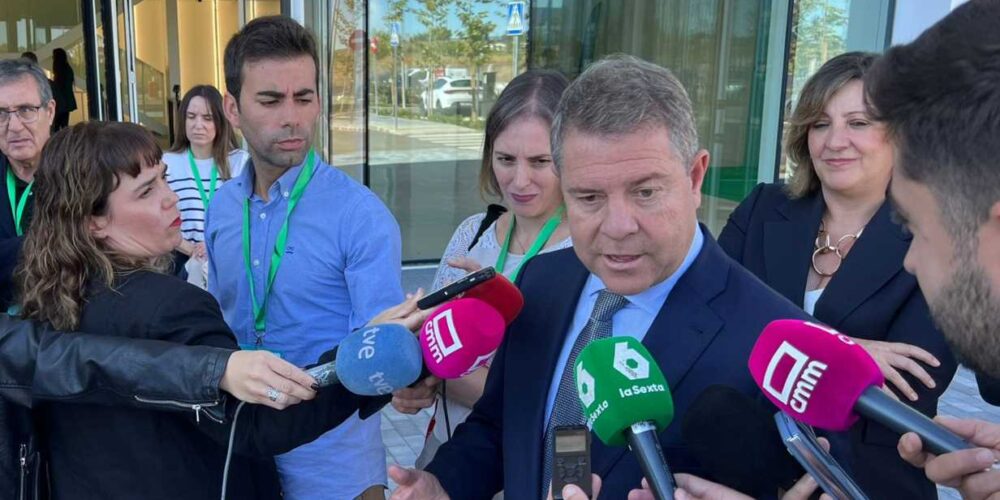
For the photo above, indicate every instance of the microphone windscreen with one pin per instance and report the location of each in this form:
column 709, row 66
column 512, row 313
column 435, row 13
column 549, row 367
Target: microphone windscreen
column 735, row 440
column 460, row 336
column 619, row 384
column 813, row 373
column 378, row 359
column 500, row 293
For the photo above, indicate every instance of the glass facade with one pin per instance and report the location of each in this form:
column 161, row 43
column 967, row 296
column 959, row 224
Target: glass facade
column 716, row 48
column 40, row 27
column 823, row 29
column 406, row 83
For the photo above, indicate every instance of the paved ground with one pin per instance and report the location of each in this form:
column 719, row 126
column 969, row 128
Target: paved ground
column 404, row 434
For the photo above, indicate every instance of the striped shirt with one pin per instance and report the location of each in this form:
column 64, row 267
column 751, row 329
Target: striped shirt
column 182, row 182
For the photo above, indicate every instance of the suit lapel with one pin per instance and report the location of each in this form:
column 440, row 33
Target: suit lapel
column 875, row 259
column 682, row 330
column 536, row 339
column 789, row 244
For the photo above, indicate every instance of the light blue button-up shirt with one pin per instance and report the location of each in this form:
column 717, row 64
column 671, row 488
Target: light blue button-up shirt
column 341, row 267
column 633, row 320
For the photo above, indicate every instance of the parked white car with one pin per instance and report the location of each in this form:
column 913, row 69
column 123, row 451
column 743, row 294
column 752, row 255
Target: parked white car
column 449, row 94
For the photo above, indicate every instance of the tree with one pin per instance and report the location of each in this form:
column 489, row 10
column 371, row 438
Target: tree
column 821, row 34
column 433, row 15
column 475, row 40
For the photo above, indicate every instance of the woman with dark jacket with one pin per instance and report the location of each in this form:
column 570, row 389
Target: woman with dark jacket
column 105, row 223
column 39, row 364
column 826, row 241
column 62, row 89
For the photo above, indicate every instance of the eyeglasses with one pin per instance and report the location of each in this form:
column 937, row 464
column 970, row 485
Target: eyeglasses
column 27, row 114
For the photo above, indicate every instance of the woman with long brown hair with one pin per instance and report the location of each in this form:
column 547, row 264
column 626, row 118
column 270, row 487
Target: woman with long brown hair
column 105, row 223
column 204, row 155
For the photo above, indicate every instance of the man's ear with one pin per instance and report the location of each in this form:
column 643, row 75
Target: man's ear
column 231, row 107
column 699, row 167
column 50, row 113
column 989, row 241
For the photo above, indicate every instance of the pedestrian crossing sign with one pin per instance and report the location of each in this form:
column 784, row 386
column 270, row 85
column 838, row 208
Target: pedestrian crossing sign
column 394, row 36
column 515, row 18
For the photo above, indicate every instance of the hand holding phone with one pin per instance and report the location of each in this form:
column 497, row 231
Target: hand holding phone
column 448, row 292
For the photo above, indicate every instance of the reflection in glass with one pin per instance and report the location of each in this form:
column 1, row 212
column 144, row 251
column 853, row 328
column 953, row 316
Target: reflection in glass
column 40, row 27
column 819, row 32
column 717, row 48
column 427, row 99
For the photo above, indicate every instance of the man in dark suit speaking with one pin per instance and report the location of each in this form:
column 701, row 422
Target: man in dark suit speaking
column 626, row 149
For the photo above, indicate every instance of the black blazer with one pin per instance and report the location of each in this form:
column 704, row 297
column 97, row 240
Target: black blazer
column 871, row 297
column 104, row 452
column 701, row 337
column 10, row 242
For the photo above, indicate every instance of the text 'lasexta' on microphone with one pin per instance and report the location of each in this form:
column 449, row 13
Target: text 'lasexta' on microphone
column 626, row 400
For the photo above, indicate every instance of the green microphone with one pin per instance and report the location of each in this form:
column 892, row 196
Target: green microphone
column 626, row 400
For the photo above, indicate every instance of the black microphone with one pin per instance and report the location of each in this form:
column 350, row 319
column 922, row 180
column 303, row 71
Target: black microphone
column 735, row 439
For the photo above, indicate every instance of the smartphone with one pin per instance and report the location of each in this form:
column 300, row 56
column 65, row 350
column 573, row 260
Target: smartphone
column 571, row 459
column 802, row 444
column 448, row 292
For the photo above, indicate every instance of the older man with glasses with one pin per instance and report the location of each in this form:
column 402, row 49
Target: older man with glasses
column 26, row 112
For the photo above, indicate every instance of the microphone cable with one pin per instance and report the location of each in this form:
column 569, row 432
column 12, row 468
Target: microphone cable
column 444, row 405
column 229, row 450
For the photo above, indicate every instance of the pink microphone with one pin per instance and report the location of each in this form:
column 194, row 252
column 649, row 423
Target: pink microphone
column 822, row 378
column 460, row 336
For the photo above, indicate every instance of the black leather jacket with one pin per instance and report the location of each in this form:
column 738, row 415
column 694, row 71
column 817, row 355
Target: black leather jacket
column 37, row 363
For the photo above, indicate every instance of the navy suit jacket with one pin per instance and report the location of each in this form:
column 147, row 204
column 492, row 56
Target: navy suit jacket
column 10, row 242
column 871, row 297
column 702, row 336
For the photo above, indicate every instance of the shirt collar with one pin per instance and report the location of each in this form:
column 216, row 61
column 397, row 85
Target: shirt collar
column 283, row 185
column 652, row 299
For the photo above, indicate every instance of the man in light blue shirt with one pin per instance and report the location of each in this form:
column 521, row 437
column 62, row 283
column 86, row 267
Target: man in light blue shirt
column 299, row 253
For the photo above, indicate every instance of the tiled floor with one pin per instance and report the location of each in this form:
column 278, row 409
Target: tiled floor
column 404, row 434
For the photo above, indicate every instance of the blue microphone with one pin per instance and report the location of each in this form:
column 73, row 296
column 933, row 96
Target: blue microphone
column 373, row 361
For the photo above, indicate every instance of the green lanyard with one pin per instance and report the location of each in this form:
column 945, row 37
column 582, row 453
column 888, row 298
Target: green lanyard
column 543, row 237
column 17, row 206
column 205, row 197
column 260, row 308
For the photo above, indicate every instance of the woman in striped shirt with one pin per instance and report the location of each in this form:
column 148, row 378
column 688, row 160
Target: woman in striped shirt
column 204, row 155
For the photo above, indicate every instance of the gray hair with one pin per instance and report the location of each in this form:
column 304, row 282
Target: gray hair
column 14, row 69
column 621, row 94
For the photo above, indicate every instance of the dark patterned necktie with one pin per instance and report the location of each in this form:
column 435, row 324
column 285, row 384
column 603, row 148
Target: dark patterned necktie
column 567, row 409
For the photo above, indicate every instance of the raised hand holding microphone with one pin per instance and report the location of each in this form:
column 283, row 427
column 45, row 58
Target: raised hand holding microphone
column 822, row 378
column 971, row 471
column 626, row 400
column 250, row 375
